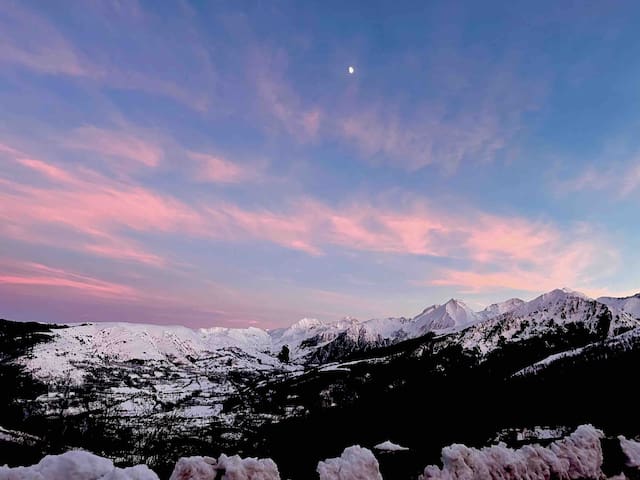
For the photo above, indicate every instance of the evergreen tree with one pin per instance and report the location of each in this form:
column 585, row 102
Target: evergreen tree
column 283, row 356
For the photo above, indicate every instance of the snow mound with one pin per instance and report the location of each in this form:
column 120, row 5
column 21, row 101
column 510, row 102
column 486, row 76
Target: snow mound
column 76, row 465
column 578, row 456
column 236, row 468
column 139, row 472
column 389, row 446
column 631, row 450
column 230, row 468
column 194, row 468
column 355, row 463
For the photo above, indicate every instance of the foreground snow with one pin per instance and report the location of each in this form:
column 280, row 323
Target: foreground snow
column 389, row 446
column 230, row 468
column 576, row 457
column 355, row 463
column 76, row 465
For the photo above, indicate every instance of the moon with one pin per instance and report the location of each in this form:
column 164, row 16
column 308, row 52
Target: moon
column 351, row 70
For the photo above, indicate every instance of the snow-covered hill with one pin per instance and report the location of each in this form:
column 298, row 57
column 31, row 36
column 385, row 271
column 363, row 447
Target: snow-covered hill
column 74, row 347
column 144, row 368
column 630, row 305
column 453, row 315
column 496, row 309
column 228, row 382
column 561, row 311
column 250, row 349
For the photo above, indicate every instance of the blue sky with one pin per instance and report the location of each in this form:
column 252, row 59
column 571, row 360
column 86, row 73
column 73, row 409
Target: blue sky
column 214, row 163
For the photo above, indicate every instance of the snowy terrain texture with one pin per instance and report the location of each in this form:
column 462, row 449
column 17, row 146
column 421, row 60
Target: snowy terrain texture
column 578, row 456
column 140, row 367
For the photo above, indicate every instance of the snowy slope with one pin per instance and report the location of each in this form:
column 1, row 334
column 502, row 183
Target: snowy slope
column 451, row 316
column 253, row 349
column 631, row 305
column 307, row 333
column 625, row 341
column 501, row 308
column 72, row 347
column 550, row 313
column 150, row 374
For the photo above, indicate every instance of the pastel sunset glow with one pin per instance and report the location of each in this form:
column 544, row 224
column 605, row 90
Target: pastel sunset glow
column 253, row 163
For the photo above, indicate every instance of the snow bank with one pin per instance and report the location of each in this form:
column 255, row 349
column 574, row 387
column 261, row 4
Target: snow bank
column 76, row 465
column 355, row 463
column 389, row 446
column 194, row 468
column 578, row 456
column 230, row 468
column 236, row 468
column 631, row 450
column 79, row 465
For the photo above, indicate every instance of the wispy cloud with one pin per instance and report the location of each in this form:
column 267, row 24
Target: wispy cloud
column 113, row 143
column 469, row 122
column 578, row 257
column 620, row 178
column 279, row 100
column 35, row 274
column 30, row 41
column 217, row 169
column 498, row 251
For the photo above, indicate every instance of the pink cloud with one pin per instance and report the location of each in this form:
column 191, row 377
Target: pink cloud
column 9, row 150
column 46, row 169
column 91, row 205
column 293, row 231
column 114, row 144
column 511, row 239
column 279, row 100
column 468, row 122
column 35, row 274
column 111, row 246
column 43, row 168
column 43, row 49
column 215, row 169
column 429, row 137
column 565, row 259
column 30, row 41
column 500, row 252
column 620, row 178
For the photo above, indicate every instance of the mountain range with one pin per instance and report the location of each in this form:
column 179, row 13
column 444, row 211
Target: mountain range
column 101, row 382
column 313, row 341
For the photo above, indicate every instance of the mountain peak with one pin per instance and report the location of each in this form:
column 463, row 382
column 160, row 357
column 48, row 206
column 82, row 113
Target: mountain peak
column 453, row 314
column 349, row 319
column 306, row 324
column 430, row 308
column 455, row 301
column 455, row 305
column 500, row 308
column 567, row 291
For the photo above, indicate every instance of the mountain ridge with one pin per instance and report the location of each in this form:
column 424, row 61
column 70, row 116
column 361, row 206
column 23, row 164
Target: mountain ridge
column 314, row 341
column 140, row 376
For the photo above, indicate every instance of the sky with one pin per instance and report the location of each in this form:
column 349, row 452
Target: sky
column 215, row 163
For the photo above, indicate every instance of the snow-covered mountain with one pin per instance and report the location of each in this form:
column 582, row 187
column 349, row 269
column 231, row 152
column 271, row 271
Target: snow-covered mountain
column 630, row 305
column 231, row 381
column 317, row 341
column 143, row 367
column 496, row 309
column 451, row 316
column 561, row 311
column 71, row 348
